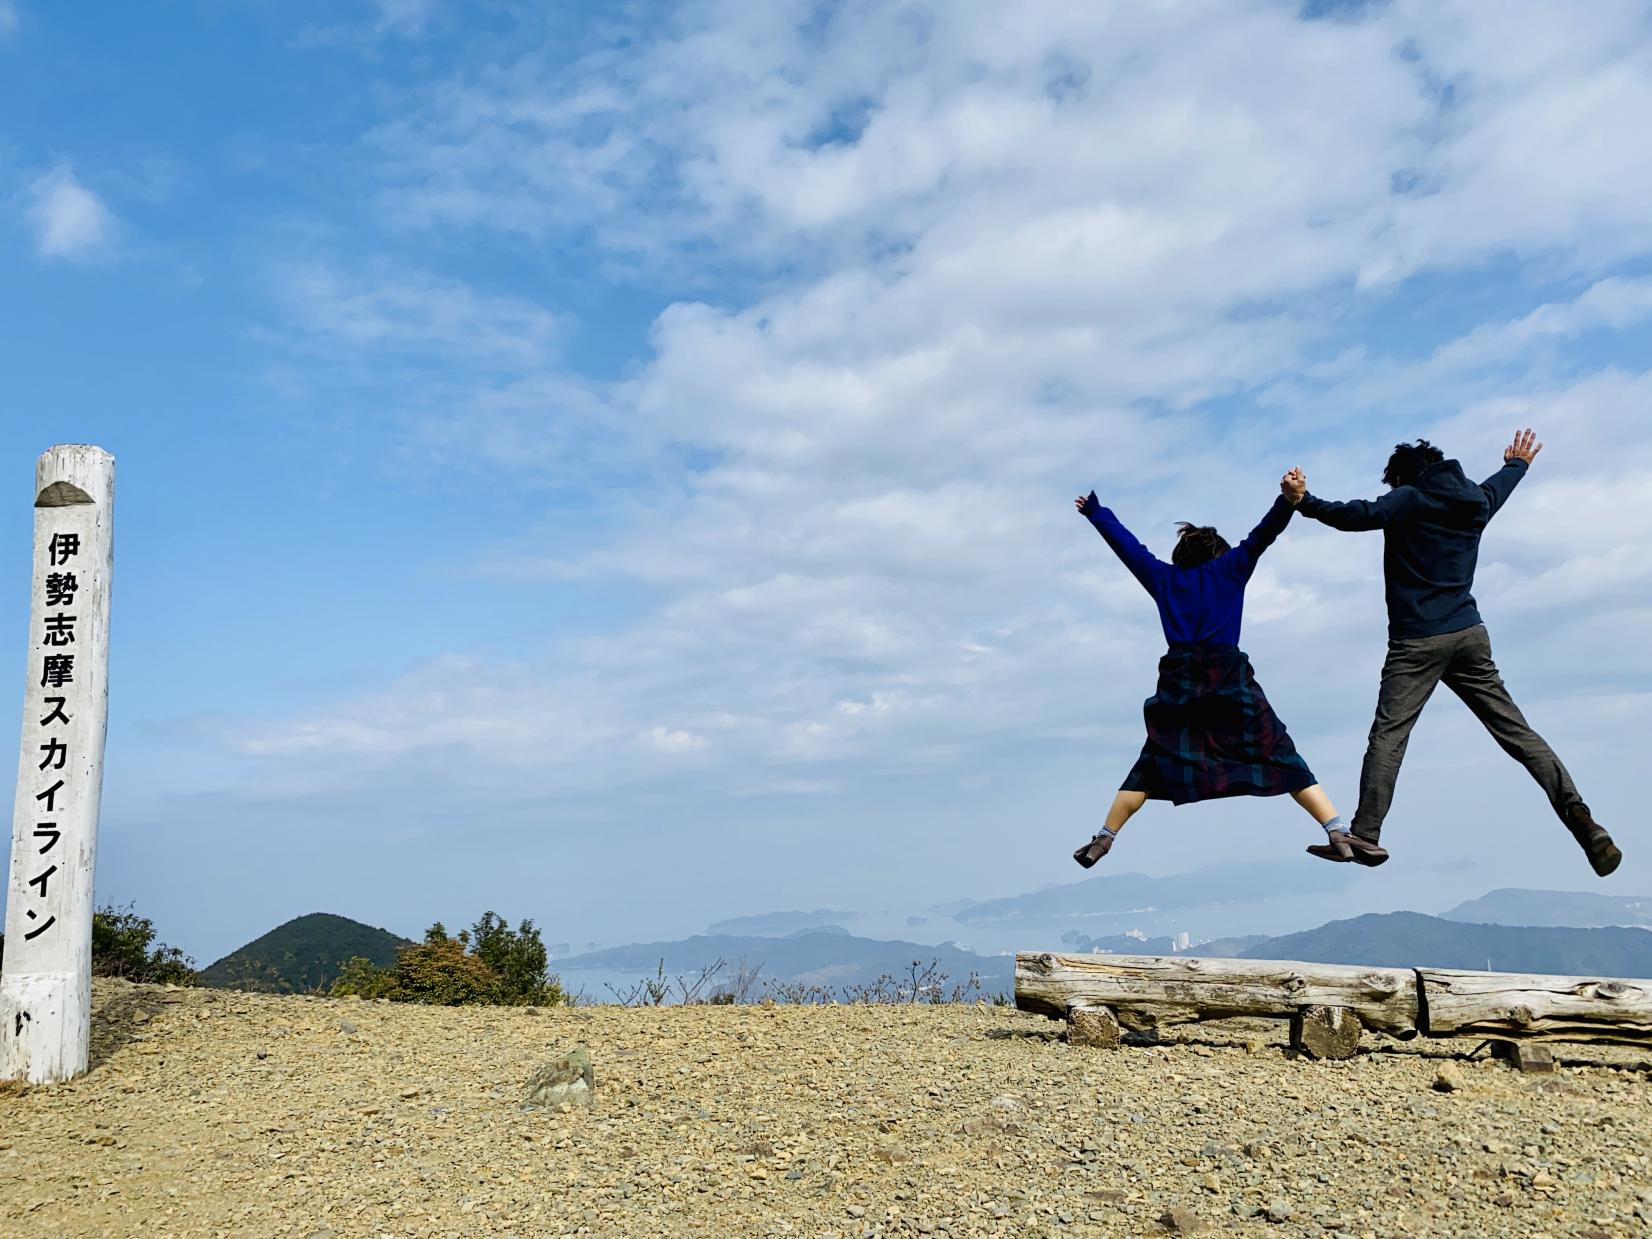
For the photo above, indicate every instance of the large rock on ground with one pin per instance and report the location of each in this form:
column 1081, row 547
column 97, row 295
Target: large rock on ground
column 1179, row 1221
column 563, row 1082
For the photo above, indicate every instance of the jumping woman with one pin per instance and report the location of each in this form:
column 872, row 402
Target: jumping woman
column 1210, row 730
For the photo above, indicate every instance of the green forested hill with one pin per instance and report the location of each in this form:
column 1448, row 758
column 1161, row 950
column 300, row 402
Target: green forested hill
column 301, row 956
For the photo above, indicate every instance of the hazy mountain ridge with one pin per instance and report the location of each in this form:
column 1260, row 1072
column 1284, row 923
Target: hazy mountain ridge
column 1116, row 895
column 1576, row 909
column 1413, row 940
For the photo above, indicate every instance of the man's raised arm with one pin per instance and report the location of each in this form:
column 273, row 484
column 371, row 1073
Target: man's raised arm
column 1353, row 515
column 1517, row 458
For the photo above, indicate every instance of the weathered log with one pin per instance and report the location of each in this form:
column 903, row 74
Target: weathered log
column 1325, row 1032
column 1093, row 1026
column 1146, row 991
column 1506, row 1005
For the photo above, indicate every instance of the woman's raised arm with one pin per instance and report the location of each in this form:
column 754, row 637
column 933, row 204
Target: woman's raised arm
column 1136, row 557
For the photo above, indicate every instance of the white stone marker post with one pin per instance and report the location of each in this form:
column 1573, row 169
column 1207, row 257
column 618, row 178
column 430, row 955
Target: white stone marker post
column 46, row 981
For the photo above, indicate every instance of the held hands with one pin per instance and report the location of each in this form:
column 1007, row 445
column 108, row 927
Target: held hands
column 1523, row 448
column 1293, row 486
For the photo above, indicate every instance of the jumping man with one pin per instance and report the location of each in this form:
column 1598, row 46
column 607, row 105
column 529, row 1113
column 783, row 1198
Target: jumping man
column 1431, row 520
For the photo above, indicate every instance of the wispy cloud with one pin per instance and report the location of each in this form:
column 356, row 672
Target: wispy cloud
column 372, row 24
column 404, row 16
column 385, row 311
column 930, row 276
column 1026, row 262
column 69, row 220
column 10, row 18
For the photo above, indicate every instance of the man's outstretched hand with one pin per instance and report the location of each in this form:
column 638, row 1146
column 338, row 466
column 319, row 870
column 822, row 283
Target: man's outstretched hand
column 1523, row 448
column 1293, row 486
column 1081, row 503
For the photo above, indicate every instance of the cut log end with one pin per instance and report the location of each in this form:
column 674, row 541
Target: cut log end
column 1093, row 1026
column 1325, row 1032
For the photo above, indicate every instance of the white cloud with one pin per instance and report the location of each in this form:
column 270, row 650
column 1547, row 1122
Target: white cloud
column 386, row 311
column 372, row 25
column 10, row 18
column 667, row 740
column 1137, row 149
column 408, row 17
column 69, row 220
column 982, row 262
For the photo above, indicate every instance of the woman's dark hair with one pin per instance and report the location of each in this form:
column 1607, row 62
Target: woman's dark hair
column 1197, row 544
column 1409, row 460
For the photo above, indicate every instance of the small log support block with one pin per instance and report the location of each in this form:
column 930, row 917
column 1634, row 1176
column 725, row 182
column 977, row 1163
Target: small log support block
column 1325, row 1032
column 1093, row 1026
column 1532, row 1057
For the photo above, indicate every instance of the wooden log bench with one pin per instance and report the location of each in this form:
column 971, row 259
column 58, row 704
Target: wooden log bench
column 1328, row 1005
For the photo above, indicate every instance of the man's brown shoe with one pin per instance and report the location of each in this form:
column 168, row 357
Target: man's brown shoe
column 1591, row 836
column 1094, row 850
column 1343, row 846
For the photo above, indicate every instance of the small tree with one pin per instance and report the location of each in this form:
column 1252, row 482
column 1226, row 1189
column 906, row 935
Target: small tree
column 442, row 971
column 517, row 957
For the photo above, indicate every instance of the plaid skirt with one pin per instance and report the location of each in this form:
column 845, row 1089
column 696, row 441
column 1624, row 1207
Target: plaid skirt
column 1211, row 733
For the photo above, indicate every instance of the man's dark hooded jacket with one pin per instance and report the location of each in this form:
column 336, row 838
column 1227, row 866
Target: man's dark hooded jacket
column 1431, row 542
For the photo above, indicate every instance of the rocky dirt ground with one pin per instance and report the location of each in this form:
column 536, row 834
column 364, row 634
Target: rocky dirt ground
column 212, row 1113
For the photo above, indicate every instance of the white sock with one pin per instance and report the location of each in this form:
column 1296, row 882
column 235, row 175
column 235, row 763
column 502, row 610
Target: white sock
column 1336, row 823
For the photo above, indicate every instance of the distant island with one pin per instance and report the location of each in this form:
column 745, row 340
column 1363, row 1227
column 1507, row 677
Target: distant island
column 778, row 924
column 1577, row 909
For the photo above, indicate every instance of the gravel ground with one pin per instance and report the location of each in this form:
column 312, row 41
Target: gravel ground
column 213, row 1113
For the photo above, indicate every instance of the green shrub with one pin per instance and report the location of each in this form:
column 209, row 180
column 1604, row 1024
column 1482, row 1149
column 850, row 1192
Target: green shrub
column 123, row 945
column 360, row 975
column 491, row 964
column 443, row 972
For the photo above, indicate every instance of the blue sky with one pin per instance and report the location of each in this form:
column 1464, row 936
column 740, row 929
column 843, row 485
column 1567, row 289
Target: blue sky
column 615, row 466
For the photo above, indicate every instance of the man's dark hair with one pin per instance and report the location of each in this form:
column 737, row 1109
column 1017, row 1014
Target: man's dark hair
column 1409, row 460
column 1197, row 544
